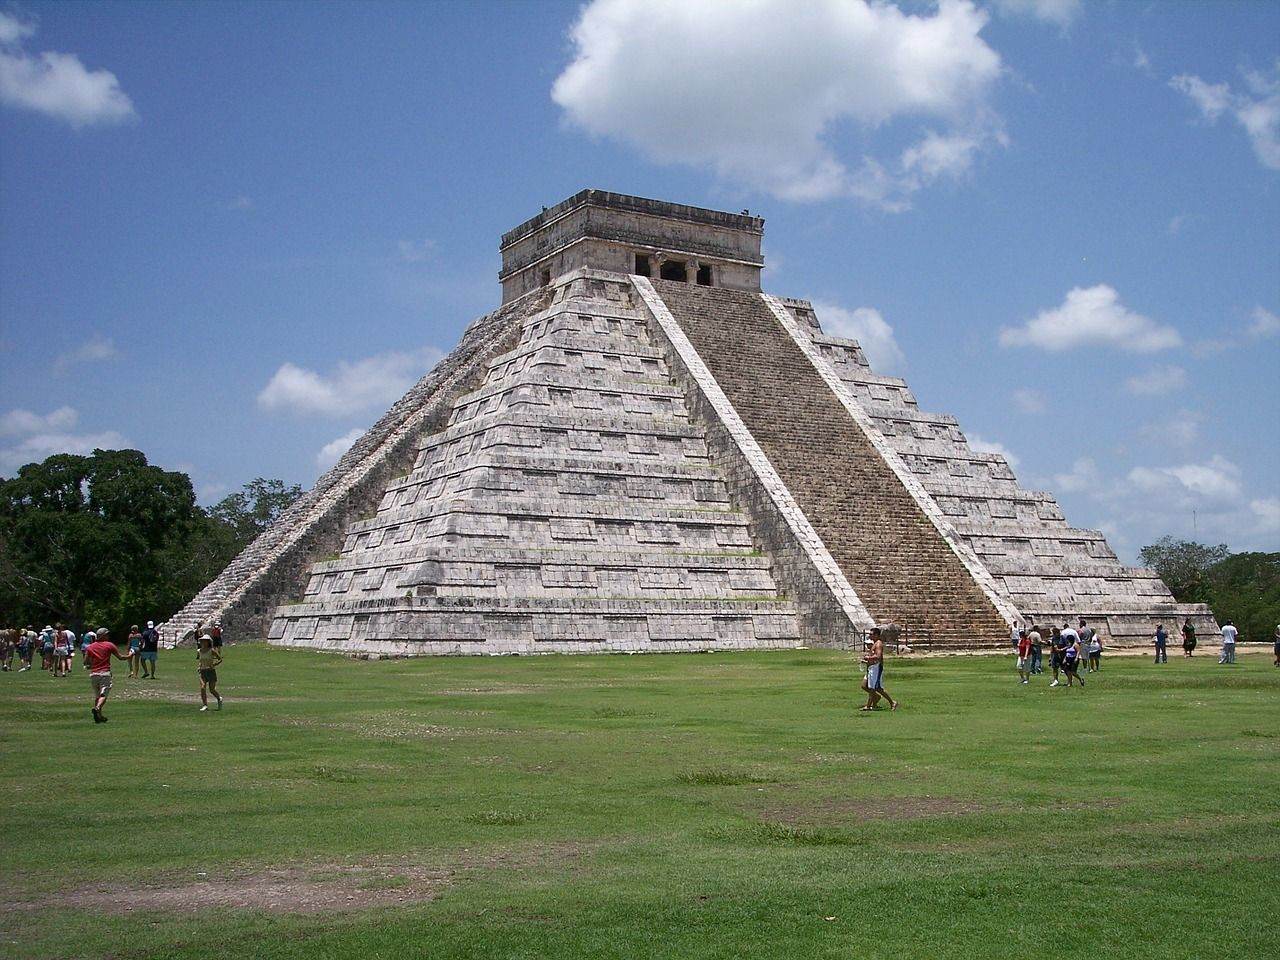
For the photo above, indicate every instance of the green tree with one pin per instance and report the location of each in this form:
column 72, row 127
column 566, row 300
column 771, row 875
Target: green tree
column 83, row 539
column 1183, row 565
column 254, row 508
column 1245, row 588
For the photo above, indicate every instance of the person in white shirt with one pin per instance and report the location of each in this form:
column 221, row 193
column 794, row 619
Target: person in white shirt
column 1228, row 643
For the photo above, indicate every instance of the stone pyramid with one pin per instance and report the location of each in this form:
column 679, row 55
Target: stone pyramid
column 640, row 451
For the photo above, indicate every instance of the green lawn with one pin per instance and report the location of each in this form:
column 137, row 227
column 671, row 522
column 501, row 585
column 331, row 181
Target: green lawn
column 731, row 805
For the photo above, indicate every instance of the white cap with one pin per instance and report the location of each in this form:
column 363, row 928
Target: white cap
column 150, row 624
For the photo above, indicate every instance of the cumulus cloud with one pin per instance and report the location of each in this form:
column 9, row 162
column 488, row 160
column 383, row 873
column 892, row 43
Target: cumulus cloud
column 872, row 331
column 332, row 451
column 1256, row 108
column 1179, row 429
column 1082, row 476
column 34, row 436
column 1216, row 481
column 754, row 91
column 1059, row 13
column 982, row 445
column 376, row 381
column 1265, row 324
column 56, row 84
column 1029, row 401
column 1156, row 381
column 1267, row 512
column 1092, row 316
column 94, row 350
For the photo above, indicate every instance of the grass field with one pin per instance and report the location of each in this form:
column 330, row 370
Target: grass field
column 684, row 806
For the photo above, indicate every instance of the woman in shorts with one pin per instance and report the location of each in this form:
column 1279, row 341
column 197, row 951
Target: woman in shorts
column 61, row 653
column 1095, row 652
column 208, row 658
column 135, row 650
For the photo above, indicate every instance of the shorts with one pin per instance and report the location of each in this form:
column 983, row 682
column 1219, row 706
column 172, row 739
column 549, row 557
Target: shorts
column 134, row 651
column 875, row 676
column 148, row 655
column 209, row 676
column 1055, row 659
column 101, row 683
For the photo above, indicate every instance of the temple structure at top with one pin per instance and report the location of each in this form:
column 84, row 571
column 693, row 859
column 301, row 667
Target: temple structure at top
column 641, row 451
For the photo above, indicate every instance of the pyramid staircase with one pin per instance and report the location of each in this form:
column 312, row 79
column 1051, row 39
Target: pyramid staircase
column 568, row 505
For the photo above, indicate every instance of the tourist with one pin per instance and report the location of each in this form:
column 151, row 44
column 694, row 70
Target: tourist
column 26, row 648
column 89, row 637
column 150, row 649
column 1071, row 658
column 1229, row 634
column 208, row 657
column 98, row 656
column 46, row 648
column 215, row 631
column 874, row 681
column 1275, row 647
column 1015, row 634
column 1037, row 651
column 1024, row 657
column 8, row 643
column 1087, row 637
column 1055, row 653
column 135, row 650
column 70, row 659
column 1162, row 639
column 61, row 652
column 1188, row 638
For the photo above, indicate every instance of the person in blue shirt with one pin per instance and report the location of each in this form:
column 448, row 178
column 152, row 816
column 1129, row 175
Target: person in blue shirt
column 1162, row 638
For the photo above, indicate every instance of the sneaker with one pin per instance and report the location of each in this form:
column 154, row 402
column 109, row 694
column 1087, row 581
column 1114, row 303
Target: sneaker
column 219, row 703
column 204, row 708
column 97, row 717
column 1054, row 683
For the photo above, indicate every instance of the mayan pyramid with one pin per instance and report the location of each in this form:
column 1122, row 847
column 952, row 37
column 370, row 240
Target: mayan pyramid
column 640, row 451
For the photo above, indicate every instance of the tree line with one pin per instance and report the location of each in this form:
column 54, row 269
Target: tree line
column 112, row 540
column 1241, row 587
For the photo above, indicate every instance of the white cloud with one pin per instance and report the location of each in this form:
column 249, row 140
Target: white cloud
column 416, row 251
column 1179, row 429
column 1215, row 481
column 982, row 445
column 1083, row 476
column 94, row 350
column 1156, row 381
column 16, row 423
column 872, row 331
column 1267, row 510
column 57, row 84
column 1256, row 109
column 1265, row 324
column 376, row 381
column 332, row 451
column 1091, row 316
column 1029, row 401
column 238, row 203
column 37, row 436
column 754, row 91
column 1060, row 13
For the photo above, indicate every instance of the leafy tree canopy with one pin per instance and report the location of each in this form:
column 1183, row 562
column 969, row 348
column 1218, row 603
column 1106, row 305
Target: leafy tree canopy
column 1183, row 564
column 111, row 540
column 1243, row 587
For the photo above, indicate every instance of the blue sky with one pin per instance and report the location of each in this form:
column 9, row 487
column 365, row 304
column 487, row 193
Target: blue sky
column 232, row 234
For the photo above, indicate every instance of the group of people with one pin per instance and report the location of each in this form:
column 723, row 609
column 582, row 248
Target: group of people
column 58, row 646
column 1229, row 634
column 1069, row 647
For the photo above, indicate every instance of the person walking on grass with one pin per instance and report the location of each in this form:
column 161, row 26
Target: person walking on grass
column 1072, row 657
column 7, row 644
column 208, row 657
column 874, row 682
column 61, row 652
column 98, row 656
column 26, row 648
column 1229, row 634
column 1275, row 646
column 1162, row 640
column 1024, row 657
column 1188, row 638
column 1037, row 651
column 150, row 649
column 1095, row 651
column 135, row 650
column 1057, row 645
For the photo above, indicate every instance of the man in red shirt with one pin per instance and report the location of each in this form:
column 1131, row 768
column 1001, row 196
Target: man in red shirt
column 97, row 657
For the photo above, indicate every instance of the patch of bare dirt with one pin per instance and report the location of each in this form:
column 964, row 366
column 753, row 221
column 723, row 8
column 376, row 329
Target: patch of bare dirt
column 300, row 888
column 859, row 810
